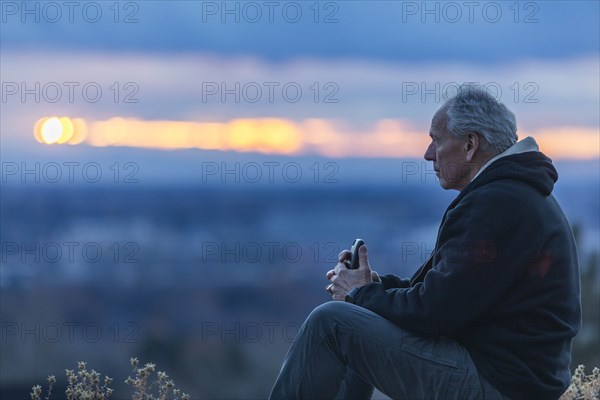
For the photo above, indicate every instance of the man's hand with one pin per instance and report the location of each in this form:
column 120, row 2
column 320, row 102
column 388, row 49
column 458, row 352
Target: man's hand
column 344, row 279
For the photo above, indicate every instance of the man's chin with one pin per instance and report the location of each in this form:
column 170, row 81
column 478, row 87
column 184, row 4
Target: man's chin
column 447, row 185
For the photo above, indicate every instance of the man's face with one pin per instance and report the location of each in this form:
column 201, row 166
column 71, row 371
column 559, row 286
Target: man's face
column 447, row 153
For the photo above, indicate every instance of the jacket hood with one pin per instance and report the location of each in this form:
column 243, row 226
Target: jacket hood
column 523, row 162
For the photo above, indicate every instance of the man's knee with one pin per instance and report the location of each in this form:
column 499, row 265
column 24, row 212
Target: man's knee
column 328, row 313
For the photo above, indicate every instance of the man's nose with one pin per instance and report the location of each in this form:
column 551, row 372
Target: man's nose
column 430, row 153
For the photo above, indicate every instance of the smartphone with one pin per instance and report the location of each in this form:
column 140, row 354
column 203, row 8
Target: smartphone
column 354, row 250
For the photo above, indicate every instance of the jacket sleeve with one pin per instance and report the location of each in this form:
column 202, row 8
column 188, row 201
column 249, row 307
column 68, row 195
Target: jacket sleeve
column 390, row 281
column 475, row 262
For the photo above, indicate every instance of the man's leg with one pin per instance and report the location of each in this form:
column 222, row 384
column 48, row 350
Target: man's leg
column 353, row 387
column 338, row 336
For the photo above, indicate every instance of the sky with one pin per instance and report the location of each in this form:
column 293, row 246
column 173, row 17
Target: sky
column 333, row 79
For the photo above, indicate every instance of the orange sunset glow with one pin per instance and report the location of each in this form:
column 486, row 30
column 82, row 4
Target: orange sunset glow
column 330, row 138
column 63, row 130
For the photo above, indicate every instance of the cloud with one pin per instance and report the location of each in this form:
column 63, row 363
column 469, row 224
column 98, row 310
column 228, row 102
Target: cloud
column 370, row 101
column 395, row 31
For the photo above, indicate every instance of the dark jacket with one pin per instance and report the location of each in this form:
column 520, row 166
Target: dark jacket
column 503, row 280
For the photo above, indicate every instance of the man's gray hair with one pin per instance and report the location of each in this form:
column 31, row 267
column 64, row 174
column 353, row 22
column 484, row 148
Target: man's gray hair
column 474, row 109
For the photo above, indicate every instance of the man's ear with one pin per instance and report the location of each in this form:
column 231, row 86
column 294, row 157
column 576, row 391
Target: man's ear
column 472, row 145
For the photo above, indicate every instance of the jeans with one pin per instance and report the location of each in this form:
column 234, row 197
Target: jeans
column 343, row 351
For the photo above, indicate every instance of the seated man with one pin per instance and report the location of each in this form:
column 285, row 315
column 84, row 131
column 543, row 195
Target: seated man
column 490, row 315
